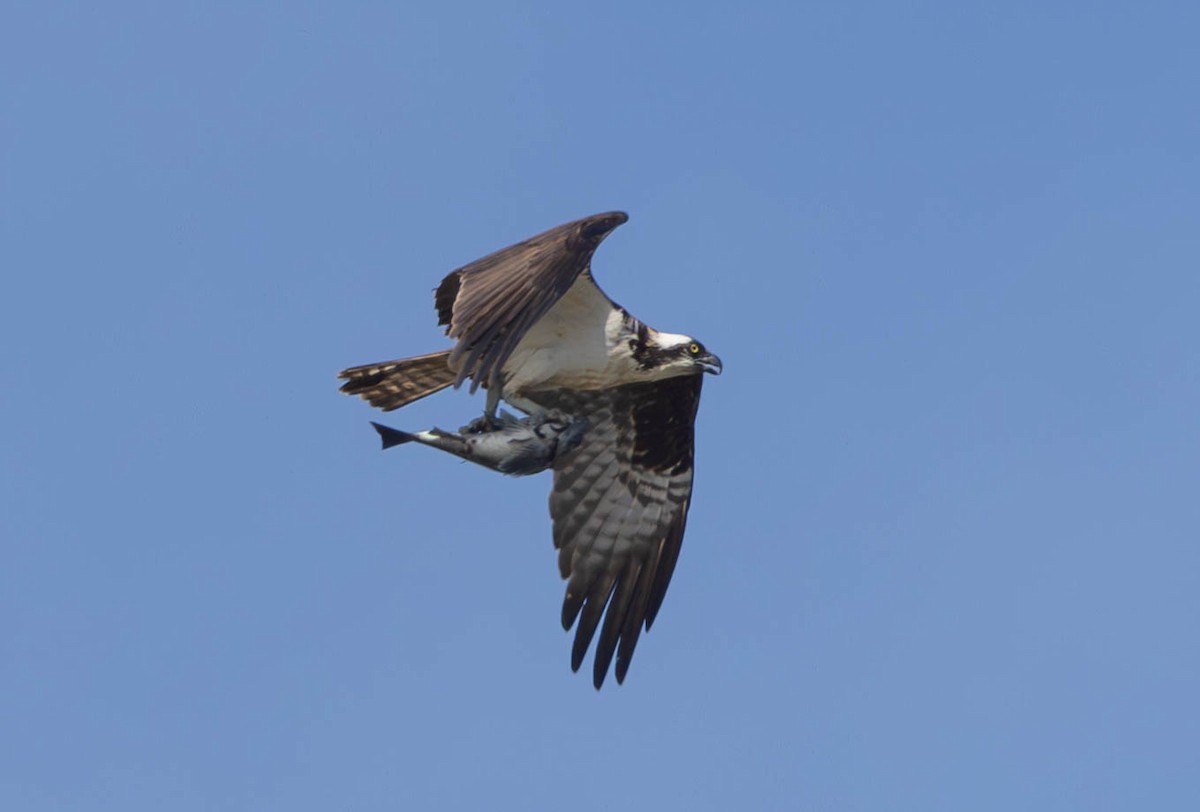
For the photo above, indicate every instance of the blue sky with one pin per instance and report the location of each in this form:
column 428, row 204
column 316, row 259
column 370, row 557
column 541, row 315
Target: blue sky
column 943, row 552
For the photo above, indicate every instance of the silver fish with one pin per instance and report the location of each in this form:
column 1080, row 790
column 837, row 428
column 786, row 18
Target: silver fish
column 513, row 446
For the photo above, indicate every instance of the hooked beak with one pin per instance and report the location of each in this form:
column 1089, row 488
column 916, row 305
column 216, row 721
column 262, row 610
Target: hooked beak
column 710, row 363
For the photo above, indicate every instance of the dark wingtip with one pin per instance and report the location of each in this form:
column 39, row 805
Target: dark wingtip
column 392, row 437
column 570, row 610
column 444, row 297
column 622, row 667
column 598, row 226
column 578, row 653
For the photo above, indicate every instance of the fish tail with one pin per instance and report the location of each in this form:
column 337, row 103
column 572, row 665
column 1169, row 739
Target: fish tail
column 392, row 437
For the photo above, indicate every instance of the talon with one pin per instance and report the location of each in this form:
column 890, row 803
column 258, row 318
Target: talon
column 481, row 425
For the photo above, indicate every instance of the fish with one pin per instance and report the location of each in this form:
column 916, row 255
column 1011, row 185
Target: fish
column 513, row 446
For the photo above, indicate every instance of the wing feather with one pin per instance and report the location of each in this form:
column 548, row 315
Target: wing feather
column 489, row 305
column 619, row 507
column 615, row 618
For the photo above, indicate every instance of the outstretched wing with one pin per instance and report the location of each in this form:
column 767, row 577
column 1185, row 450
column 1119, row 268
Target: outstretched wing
column 619, row 506
column 489, row 304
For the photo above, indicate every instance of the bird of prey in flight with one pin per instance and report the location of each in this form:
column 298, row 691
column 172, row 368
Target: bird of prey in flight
column 532, row 328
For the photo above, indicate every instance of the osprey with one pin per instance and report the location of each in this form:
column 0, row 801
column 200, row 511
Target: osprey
column 532, row 327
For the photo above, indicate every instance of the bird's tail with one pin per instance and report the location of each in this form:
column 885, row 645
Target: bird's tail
column 393, row 384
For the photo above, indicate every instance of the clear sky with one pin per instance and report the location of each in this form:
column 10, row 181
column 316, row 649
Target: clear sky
column 944, row 552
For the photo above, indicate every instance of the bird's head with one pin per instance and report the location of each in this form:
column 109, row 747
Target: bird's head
column 671, row 354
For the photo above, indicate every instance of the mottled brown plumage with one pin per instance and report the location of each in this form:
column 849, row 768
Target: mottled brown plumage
column 392, row 384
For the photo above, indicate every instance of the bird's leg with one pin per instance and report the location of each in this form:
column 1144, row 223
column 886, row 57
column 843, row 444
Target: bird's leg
column 488, row 420
column 482, row 425
column 493, row 403
column 530, row 408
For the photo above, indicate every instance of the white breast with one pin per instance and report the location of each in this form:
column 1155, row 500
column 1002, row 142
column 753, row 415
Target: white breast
column 579, row 343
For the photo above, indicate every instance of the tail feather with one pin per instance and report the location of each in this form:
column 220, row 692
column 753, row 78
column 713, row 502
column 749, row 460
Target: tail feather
column 393, row 384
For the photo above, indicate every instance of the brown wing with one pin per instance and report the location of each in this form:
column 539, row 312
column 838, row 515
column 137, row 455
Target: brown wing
column 619, row 506
column 488, row 305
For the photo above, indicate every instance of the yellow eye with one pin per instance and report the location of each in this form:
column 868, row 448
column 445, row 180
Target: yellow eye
column 694, row 349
